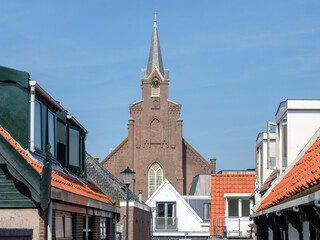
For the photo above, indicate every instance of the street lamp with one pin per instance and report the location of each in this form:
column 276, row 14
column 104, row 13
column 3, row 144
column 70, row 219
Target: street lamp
column 127, row 175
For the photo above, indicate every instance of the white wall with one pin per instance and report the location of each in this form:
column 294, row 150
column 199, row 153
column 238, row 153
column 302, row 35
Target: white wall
column 270, row 234
column 188, row 220
column 301, row 125
column 21, row 218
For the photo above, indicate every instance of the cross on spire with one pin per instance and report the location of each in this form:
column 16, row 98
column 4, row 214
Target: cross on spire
column 155, row 18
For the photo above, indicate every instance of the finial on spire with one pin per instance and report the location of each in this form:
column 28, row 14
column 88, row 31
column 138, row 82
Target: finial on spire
column 155, row 18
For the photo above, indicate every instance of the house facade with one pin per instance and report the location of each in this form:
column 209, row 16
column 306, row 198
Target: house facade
column 44, row 191
column 231, row 203
column 287, row 205
column 140, row 214
column 173, row 217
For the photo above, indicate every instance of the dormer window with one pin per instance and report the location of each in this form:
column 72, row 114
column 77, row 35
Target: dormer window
column 45, row 129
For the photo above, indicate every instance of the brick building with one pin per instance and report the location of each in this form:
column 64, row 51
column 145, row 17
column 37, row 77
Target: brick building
column 155, row 148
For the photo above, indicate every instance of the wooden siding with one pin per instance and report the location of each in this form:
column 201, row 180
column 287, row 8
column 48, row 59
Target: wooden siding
column 13, row 193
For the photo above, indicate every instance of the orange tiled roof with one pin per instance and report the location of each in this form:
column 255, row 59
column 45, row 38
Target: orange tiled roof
column 227, row 183
column 304, row 174
column 59, row 179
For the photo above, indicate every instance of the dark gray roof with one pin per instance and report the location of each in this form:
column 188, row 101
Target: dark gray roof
column 155, row 59
column 108, row 183
column 201, row 185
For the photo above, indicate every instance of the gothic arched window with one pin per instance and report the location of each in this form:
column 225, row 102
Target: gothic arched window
column 155, row 129
column 155, row 178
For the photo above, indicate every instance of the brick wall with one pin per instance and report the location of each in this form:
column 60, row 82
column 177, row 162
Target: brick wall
column 95, row 227
column 43, row 218
column 77, row 225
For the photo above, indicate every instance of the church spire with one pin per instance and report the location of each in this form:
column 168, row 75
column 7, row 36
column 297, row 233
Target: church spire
column 155, row 59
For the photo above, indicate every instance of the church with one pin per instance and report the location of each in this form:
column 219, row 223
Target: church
column 155, row 147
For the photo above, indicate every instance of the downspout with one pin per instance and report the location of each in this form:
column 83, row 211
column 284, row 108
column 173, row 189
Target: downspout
column 32, row 114
column 115, row 226
column 49, row 236
column 151, row 224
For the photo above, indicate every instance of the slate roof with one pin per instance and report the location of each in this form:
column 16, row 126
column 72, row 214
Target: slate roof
column 108, row 183
column 304, row 175
column 61, row 179
column 268, row 182
column 227, row 183
column 155, row 59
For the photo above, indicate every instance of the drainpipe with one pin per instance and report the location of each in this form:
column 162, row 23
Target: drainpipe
column 115, row 226
column 32, row 114
column 49, row 237
column 140, row 196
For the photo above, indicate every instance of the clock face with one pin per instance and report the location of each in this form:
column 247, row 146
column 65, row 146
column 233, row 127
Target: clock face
column 155, row 82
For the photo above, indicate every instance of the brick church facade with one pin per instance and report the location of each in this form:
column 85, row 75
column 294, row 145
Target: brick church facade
column 155, row 148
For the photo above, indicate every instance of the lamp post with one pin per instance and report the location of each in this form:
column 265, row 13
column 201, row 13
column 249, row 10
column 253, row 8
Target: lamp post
column 127, row 175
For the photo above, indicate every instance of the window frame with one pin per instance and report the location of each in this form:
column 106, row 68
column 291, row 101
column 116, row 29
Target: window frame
column 44, row 129
column 103, row 228
column 204, row 211
column 86, row 225
column 81, row 148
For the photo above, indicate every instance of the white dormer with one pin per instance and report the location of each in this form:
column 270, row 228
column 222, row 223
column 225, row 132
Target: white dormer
column 265, row 166
column 296, row 122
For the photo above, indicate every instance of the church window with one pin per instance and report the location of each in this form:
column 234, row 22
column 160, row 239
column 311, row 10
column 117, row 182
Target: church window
column 155, row 178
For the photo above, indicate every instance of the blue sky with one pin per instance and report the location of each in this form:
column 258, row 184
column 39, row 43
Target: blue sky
column 231, row 63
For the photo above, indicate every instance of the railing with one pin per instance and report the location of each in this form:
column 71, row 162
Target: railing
column 166, row 223
column 231, row 227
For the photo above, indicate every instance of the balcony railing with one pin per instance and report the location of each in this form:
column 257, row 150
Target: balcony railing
column 231, row 227
column 166, row 223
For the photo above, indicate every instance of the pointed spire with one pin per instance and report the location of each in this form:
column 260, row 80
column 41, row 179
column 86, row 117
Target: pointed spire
column 155, row 59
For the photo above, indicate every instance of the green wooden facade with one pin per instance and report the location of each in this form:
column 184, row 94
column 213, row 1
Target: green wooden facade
column 14, row 104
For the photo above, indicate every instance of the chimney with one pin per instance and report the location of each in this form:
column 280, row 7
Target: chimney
column 140, row 196
column 96, row 158
column 213, row 165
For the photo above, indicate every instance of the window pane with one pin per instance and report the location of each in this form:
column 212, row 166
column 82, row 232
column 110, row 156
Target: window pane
column 74, row 148
column 206, row 211
column 170, row 210
column 51, row 132
column 160, row 210
column 38, row 128
column 245, row 208
column 233, row 207
column 284, row 142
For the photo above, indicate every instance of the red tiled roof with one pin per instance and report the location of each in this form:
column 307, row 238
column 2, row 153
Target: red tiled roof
column 59, row 179
column 227, row 183
column 304, row 174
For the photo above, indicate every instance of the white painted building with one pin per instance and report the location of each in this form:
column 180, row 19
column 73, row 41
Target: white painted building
column 173, row 217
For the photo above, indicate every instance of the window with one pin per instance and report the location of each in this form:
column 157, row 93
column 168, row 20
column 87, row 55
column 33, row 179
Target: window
column 63, row 225
column 155, row 90
column 206, row 211
column 87, row 227
column 103, row 228
column 233, row 207
column 45, row 129
column 74, row 147
column 271, row 145
column 245, row 207
column 284, row 141
column 166, row 216
column 155, row 178
column 238, row 207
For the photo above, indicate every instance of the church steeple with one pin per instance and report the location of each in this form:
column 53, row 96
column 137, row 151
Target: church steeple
column 155, row 59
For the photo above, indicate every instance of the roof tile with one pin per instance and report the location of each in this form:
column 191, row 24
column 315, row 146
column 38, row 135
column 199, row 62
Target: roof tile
column 59, row 179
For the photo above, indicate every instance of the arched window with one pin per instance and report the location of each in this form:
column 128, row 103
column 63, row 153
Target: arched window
column 155, row 178
column 155, row 129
